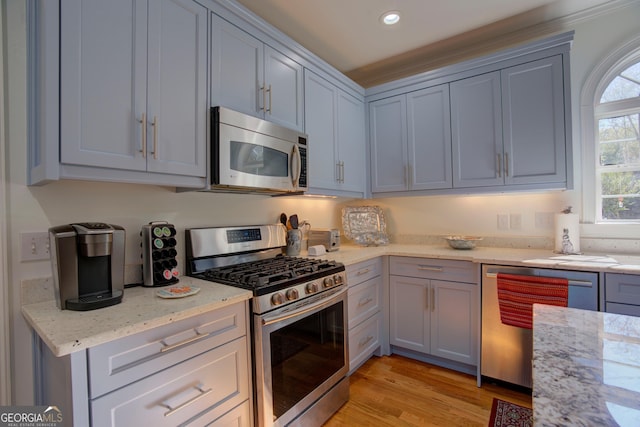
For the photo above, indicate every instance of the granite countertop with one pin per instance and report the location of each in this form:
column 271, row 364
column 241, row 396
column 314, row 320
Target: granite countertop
column 540, row 258
column 586, row 368
column 66, row 331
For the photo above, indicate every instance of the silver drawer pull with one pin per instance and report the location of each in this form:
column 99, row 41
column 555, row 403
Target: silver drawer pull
column 365, row 341
column 198, row 336
column 361, row 272
column 364, row 301
column 429, row 268
column 202, row 394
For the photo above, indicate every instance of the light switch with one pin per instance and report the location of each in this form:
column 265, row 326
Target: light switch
column 34, row 246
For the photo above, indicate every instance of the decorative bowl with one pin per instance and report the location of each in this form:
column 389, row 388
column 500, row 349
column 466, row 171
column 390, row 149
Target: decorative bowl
column 463, row 242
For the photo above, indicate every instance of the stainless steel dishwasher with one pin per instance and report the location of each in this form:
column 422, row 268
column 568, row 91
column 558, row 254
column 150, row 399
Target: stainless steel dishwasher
column 507, row 351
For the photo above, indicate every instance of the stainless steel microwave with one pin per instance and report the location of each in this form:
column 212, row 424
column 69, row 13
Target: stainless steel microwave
column 252, row 155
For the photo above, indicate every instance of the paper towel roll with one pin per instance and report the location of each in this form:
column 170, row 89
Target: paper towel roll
column 567, row 233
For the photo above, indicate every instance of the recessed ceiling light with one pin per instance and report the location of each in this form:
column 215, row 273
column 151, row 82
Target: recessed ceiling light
column 390, row 18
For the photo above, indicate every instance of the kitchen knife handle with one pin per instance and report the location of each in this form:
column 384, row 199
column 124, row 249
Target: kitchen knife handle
column 143, row 148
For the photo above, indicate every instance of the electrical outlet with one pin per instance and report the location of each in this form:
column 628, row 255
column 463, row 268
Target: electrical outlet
column 34, row 246
column 515, row 221
column 544, row 220
column 503, row 221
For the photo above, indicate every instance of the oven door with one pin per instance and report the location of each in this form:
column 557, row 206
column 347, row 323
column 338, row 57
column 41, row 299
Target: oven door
column 300, row 354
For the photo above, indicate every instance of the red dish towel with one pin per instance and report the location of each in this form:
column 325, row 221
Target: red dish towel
column 517, row 294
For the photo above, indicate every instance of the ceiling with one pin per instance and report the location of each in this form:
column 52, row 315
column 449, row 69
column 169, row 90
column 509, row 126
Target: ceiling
column 348, row 34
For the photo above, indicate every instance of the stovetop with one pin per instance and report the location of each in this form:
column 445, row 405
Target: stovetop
column 270, row 275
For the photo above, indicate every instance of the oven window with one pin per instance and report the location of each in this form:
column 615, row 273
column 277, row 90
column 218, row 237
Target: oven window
column 304, row 354
column 258, row 160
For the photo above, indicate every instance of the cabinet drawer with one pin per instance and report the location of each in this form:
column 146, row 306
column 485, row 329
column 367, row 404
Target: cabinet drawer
column 120, row 362
column 364, row 300
column 238, row 416
column 364, row 339
column 215, row 381
column 629, row 310
column 429, row 268
column 363, row 271
column 622, row 288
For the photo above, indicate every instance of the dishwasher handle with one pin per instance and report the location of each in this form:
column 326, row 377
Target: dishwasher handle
column 583, row 283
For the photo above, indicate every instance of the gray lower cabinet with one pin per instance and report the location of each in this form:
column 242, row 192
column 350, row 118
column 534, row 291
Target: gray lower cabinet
column 364, row 311
column 434, row 309
column 133, row 78
column 334, row 122
column 411, row 141
column 508, row 126
column 250, row 76
column 194, row 371
column 622, row 294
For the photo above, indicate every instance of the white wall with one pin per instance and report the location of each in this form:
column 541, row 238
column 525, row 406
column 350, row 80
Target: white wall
column 37, row 208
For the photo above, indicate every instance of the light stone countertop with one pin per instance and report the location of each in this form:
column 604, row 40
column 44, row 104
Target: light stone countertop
column 67, row 331
column 586, row 368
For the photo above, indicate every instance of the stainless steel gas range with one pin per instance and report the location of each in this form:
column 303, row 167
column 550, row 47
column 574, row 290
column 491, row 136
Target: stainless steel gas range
column 299, row 310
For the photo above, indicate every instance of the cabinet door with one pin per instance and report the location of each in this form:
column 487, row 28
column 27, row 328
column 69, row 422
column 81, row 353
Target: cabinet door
column 237, row 64
column 176, row 96
column 476, row 129
column 388, row 137
column 429, row 128
column 284, row 79
column 103, row 82
column 351, row 143
column 533, row 117
column 409, row 301
column 320, row 126
column 454, row 321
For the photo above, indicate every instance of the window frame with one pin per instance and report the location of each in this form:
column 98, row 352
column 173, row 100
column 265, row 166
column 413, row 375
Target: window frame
column 595, row 85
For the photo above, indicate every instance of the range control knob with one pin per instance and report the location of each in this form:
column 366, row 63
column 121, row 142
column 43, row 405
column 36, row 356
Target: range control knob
column 277, row 299
column 328, row 282
column 292, row 294
column 312, row 288
column 338, row 279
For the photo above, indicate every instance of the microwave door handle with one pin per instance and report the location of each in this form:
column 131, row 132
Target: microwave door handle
column 296, row 155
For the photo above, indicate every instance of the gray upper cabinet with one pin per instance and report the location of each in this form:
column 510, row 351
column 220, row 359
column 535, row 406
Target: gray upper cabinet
column 251, row 77
column 496, row 123
column 133, row 86
column 334, row 121
column 534, row 122
column 476, row 128
column 508, row 126
column 411, row 141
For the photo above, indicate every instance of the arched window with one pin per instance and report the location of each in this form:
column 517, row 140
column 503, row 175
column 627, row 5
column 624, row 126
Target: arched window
column 611, row 136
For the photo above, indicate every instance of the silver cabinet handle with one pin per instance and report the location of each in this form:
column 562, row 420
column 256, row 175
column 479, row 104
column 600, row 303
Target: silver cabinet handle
column 154, row 124
column 365, row 341
column 270, row 93
column 342, row 171
column 143, row 148
column 429, row 268
column 202, row 394
column 499, row 164
column 264, row 97
column 197, row 337
column 506, row 164
column 361, row 272
column 433, row 299
column 364, row 301
column 337, row 171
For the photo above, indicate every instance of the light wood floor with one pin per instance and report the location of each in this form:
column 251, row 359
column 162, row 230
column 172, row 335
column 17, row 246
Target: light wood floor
column 396, row 391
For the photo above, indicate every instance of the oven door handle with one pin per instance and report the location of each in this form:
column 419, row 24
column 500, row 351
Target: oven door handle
column 325, row 302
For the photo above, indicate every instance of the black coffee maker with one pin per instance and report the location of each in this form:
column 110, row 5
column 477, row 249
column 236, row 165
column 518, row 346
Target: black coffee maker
column 88, row 265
